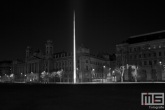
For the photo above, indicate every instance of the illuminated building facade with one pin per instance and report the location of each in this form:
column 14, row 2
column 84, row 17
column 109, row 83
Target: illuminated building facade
column 146, row 51
column 49, row 61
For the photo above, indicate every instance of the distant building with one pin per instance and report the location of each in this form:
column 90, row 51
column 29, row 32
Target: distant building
column 147, row 51
column 49, row 61
column 5, row 67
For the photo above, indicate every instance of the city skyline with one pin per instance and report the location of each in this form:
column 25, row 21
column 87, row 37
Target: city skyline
column 99, row 25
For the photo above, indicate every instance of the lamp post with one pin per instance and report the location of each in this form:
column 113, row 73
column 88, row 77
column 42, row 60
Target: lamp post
column 113, row 76
column 21, row 77
column 103, row 73
column 93, row 74
column 160, row 62
column 25, row 78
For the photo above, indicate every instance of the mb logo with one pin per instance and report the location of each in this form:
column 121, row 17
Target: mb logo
column 152, row 98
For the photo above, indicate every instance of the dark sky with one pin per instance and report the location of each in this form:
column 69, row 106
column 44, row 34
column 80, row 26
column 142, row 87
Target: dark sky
column 100, row 25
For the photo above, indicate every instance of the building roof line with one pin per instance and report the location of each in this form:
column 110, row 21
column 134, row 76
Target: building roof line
column 156, row 32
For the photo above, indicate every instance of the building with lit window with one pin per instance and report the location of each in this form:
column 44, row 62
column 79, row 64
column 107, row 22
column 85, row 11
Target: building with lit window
column 49, row 61
column 147, row 52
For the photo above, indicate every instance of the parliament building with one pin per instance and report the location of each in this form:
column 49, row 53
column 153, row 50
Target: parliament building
column 49, row 61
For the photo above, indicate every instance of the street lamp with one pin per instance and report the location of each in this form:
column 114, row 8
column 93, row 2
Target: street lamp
column 113, row 76
column 160, row 62
column 161, row 70
column 21, row 78
column 25, row 78
column 103, row 73
column 93, row 74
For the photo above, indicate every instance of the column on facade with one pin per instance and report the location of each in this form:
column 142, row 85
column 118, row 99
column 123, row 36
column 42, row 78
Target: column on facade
column 48, row 66
column 30, row 67
column 38, row 67
column 34, row 67
column 25, row 68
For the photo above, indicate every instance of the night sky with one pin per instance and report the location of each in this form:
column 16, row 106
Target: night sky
column 100, row 25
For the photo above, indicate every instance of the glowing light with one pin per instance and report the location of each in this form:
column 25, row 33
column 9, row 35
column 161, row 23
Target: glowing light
column 103, row 66
column 93, row 69
column 74, row 49
column 12, row 75
column 160, row 62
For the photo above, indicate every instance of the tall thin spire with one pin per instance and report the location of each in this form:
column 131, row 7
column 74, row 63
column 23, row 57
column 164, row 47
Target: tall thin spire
column 74, row 48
